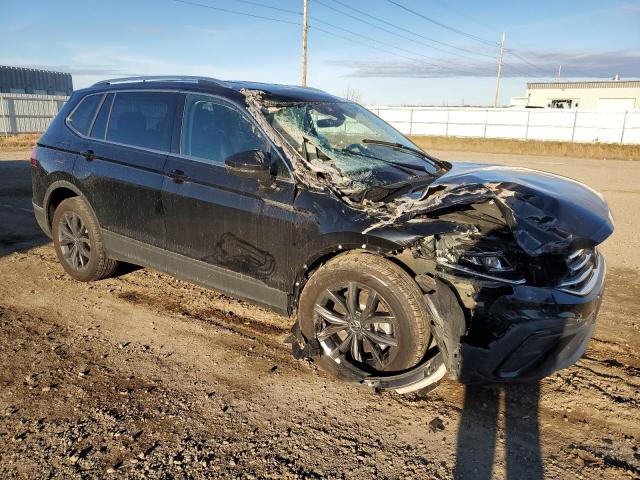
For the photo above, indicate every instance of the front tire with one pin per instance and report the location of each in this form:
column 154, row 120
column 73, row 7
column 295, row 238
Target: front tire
column 365, row 312
column 78, row 243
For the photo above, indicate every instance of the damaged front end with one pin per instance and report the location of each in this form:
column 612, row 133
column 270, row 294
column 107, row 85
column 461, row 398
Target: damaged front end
column 515, row 289
column 506, row 257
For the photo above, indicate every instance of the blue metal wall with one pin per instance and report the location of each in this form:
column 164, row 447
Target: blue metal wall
column 28, row 80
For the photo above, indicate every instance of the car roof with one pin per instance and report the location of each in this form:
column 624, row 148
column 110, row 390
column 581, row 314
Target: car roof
column 271, row 92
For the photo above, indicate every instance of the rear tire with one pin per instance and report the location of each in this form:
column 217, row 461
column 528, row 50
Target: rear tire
column 78, row 242
column 364, row 299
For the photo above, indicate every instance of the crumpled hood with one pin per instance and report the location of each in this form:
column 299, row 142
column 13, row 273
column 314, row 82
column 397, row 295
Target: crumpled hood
column 546, row 212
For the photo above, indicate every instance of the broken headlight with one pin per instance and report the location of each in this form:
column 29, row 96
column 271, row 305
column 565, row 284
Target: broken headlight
column 493, row 262
column 491, row 265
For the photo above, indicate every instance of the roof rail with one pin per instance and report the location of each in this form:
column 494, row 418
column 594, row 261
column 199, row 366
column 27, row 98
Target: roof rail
column 158, row 78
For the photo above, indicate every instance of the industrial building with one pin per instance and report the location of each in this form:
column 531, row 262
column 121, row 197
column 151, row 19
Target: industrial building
column 612, row 95
column 35, row 82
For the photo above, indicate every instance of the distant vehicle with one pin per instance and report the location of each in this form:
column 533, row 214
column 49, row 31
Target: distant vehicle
column 397, row 267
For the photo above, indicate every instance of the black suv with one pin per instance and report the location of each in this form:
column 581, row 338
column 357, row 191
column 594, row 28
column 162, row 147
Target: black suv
column 397, row 267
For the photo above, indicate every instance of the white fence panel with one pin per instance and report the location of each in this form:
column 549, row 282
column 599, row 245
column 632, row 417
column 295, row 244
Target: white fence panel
column 517, row 123
column 27, row 113
column 632, row 128
column 429, row 122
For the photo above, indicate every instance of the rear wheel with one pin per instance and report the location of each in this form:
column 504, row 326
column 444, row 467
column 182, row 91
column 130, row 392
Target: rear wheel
column 365, row 312
column 78, row 243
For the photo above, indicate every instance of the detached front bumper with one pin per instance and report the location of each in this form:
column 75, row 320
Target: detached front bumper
column 528, row 332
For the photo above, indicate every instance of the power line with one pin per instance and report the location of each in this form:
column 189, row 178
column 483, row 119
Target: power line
column 411, row 58
column 289, row 22
column 511, row 52
column 385, row 22
column 491, row 27
column 371, row 39
column 466, row 34
column 447, row 27
column 464, row 15
column 395, row 54
column 270, row 7
column 236, row 12
column 366, row 22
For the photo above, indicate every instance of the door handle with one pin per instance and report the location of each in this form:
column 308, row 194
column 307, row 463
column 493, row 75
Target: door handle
column 177, row 176
column 88, row 155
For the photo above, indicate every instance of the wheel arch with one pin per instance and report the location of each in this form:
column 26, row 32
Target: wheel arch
column 369, row 245
column 56, row 193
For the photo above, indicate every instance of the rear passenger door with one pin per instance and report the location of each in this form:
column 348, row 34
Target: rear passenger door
column 123, row 157
column 211, row 215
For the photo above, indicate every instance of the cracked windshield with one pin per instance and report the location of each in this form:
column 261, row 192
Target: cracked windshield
column 363, row 147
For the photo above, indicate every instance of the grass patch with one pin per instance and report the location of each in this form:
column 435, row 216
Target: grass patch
column 23, row 140
column 608, row 151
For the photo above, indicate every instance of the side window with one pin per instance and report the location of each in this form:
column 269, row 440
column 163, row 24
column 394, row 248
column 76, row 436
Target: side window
column 100, row 123
column 213, row 131
column 143, row 119
column 82, row 116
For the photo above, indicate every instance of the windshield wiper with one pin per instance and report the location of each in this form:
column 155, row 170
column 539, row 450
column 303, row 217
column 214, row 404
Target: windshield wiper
column 405, row 148
column 410, row 169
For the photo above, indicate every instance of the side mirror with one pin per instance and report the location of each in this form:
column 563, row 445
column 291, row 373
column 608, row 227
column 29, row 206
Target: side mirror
column 250, row 164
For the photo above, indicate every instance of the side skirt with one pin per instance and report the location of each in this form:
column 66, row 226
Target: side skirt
column 201, row 273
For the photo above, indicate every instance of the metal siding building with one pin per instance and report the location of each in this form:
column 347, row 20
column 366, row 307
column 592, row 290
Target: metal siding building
column 32, row 81
column 613, row 95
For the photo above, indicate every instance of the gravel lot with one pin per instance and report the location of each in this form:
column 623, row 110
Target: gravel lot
column 146, row 376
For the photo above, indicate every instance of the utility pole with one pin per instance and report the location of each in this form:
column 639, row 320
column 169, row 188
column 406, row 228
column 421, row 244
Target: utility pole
column 559, row 73
column 500, row 62
column 305, row 28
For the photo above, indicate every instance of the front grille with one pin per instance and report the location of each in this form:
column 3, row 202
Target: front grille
column 582, row 272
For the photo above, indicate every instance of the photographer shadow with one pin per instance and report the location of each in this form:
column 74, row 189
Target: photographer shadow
column 479, row 432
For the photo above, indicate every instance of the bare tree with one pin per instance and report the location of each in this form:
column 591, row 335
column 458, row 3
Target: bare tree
column 353, row 94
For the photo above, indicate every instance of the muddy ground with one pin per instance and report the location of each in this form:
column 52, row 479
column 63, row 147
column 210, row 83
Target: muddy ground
column 147, row 376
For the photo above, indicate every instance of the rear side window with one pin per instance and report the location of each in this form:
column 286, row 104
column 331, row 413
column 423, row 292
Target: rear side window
column 213, row 131
column 100, row 123
column 82, row 116
column 143, row 119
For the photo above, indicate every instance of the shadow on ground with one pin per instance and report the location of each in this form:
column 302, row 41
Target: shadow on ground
column 19, row 229
column 480, row 432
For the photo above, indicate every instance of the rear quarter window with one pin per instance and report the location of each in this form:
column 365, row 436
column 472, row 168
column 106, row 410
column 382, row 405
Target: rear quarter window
column 82, row 117
column 100, row 123
column 143, row 119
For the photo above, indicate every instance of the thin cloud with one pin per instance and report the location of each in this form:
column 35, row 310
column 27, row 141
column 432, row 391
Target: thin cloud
column 208, row 31
column 575, row 64
column 628, row 8
column 146, row 29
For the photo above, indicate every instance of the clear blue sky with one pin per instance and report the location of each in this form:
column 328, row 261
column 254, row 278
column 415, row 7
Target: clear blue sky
column 102, row 39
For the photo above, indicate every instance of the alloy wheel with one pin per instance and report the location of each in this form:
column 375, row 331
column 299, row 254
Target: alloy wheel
column 354, row 322
column 75, row 244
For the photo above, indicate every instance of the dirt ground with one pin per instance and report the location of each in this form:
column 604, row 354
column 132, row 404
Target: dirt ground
column 143, row 375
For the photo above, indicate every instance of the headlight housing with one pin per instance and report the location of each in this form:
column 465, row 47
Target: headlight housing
column 492, row 262
column 474, row 261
